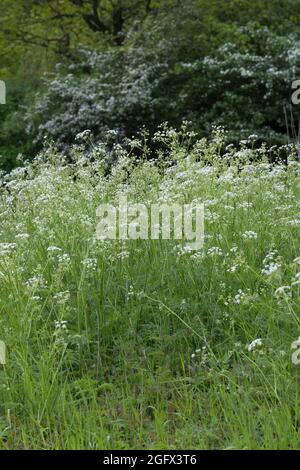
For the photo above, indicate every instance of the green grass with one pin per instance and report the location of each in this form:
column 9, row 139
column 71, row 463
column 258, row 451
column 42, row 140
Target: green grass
column 154, row 352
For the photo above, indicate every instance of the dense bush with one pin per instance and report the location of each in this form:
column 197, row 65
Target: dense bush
column 13, row 136
column 106, row 90
column 244, row 86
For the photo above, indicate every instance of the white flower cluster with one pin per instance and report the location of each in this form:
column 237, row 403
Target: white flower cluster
column 271, row 264
column 7, row 248
column 255, row 344
column 250, row 235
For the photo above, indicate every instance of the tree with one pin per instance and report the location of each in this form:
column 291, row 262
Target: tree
column 111, row 16
column 59, row 25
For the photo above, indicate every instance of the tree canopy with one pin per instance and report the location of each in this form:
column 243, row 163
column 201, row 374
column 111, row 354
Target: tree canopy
column 211, row 61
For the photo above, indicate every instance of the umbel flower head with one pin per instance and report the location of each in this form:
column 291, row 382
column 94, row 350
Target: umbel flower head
column 255, row 344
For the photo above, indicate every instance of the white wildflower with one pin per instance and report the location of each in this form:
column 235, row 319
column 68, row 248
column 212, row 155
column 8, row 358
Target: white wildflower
column 270, row 269
column 123, row 254
column 53, row 249
column 250, row 235
column 233, row 268
column 239, row 297
column 22, row 236
column 7, row 248
column 36, row 282
column 62, row 297
column 61, row 325
column 64, row 259
column 257, row 343
column 83, row 135
column 214, row 251
column 90, row 264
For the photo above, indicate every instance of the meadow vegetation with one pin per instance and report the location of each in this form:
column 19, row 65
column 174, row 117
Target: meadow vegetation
column 144, row 344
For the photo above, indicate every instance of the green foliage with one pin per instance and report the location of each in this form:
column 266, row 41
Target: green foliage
column 144, row 344
column 213, row 62
column 243, row 86
column 13, row 137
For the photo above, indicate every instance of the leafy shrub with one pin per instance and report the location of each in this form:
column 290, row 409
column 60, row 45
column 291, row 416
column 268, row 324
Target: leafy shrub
column 13, row 136
column 243, row 86
column 106, row 90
